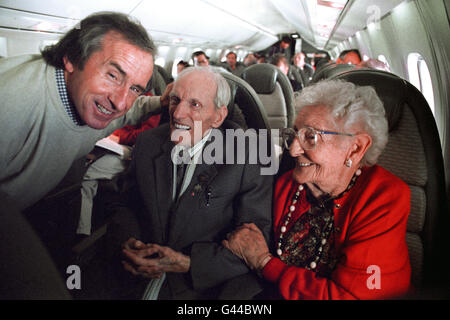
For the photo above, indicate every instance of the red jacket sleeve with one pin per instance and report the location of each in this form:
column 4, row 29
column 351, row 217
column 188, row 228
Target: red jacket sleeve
column 374, row 261
column 128, row 134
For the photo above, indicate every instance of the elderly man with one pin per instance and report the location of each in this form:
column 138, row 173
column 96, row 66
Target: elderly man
column 55, row 106
column 184, row 217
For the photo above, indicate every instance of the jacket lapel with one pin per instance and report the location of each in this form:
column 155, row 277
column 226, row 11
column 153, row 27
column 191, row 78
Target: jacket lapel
column 163, row 186
column 184, row 210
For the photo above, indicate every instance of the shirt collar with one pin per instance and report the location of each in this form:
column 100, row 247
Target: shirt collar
column 197, row 147
column 68, row 105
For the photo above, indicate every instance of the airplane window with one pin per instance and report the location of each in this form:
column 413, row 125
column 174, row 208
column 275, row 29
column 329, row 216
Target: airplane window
column 3, row 46
column 210, row 53
column 174, row 66
column 45, row 43
column 419, row 76
column 160, row 61
column 383, row 59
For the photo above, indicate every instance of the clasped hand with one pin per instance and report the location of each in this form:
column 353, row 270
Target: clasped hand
column 152, row 260
column 248, row 243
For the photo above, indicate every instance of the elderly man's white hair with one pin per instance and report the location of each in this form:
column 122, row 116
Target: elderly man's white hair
column 223, row 93
column 357, row 107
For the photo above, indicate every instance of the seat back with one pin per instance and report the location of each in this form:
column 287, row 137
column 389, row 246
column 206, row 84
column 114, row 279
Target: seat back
column 156, row 85
column 275, row 91
column 165, row 75
column 245, row 107
column 330, row 70
column 414, row 154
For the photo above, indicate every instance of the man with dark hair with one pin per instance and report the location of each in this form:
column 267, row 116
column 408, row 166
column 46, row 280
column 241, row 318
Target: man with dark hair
column 283, row 47
column 233, row 65
column 200, row 59
column 56, row 106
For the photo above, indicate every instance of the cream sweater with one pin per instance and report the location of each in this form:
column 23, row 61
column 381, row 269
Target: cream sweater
column 38, row 140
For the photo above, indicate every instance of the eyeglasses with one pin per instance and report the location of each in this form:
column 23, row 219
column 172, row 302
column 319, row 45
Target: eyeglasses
column 307, row 136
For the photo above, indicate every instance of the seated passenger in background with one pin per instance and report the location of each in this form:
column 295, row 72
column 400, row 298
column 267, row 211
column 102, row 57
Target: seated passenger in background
column 336, row 214
column 200, row 59
column 181, row 66
column 184, row 211
column 250, row 59
column 281, row 62
column 233, row 65
column 321, row 59
column 351, row 56
column 299, row 61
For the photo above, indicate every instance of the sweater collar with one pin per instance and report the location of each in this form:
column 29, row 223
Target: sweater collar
column 67, row 103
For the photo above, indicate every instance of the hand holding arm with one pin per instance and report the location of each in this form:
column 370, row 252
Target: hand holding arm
column 249, row 244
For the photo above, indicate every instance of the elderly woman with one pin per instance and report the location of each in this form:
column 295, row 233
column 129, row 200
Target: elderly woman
column 339, row 219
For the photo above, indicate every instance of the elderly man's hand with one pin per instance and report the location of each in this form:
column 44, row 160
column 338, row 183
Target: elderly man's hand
column 152, row 260
column 165, row 98
column 249, row 244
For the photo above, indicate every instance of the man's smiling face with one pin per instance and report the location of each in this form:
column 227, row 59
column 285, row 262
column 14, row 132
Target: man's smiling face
column 110, row 81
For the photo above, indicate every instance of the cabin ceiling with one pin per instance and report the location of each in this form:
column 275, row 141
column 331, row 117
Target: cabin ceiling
column 249, row 24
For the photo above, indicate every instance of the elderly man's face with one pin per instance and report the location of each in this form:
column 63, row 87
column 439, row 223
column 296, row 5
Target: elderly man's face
column 323, row 165
column 111, row 80
column 192, row 110
column 201, row 61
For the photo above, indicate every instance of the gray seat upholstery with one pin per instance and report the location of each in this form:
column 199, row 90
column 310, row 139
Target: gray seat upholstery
column 414, row 154
column 165, row 75
column 330, row 70
column 245, row 107
column 275, row 91
column 157, row 84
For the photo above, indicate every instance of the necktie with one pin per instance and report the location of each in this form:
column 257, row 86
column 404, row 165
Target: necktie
column 181, row 168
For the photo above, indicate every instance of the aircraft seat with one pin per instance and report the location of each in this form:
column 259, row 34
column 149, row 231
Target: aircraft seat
column 414, row 154
column 275, row 91
column 165, row 75
column 329, row 70
column 247, row 100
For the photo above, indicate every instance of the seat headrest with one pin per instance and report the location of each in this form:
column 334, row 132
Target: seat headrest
column 262, row 77
column 330, row 70
column 243, row 95
column 391, row 89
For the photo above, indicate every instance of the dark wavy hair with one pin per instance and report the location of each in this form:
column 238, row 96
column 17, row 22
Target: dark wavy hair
column 86, row 38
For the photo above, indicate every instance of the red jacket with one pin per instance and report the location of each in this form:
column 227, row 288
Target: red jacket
column 370, row 222
column 128, row 134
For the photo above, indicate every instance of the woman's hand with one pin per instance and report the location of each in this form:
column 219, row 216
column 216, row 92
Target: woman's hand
column 248, row 243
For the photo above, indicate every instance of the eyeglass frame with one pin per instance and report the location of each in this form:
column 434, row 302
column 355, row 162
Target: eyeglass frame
column 316, row 132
